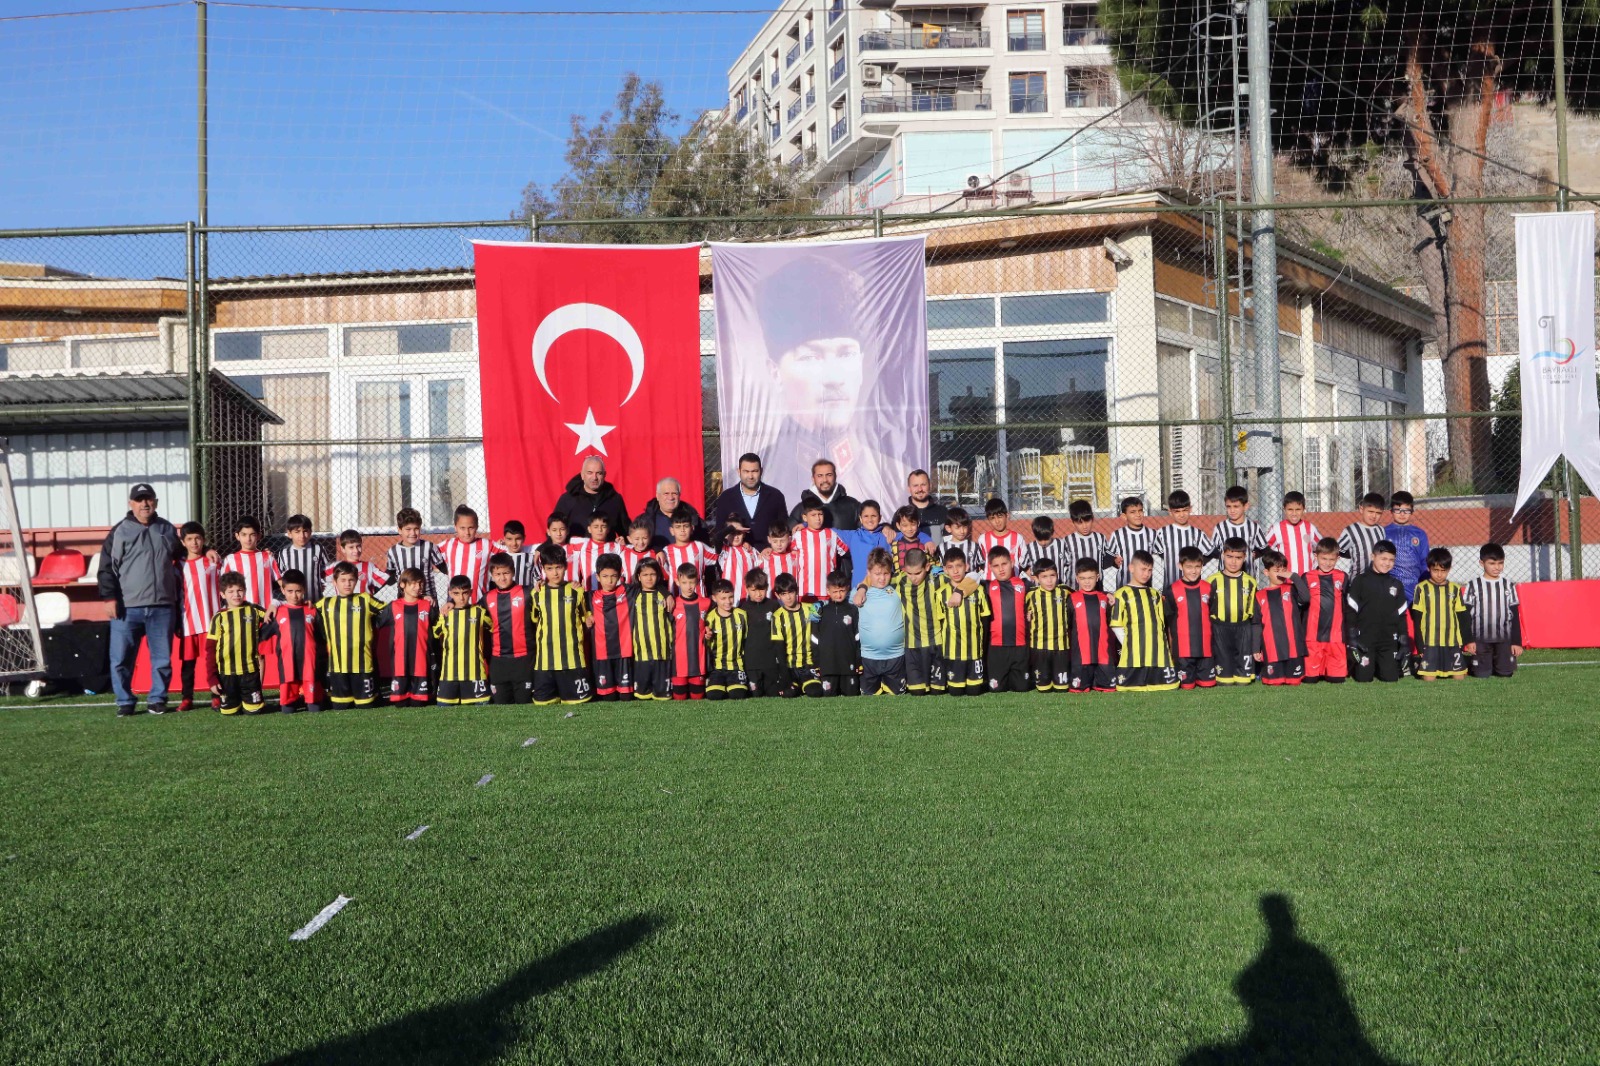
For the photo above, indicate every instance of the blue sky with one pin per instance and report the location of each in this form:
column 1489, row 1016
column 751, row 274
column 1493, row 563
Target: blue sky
column 321, row 116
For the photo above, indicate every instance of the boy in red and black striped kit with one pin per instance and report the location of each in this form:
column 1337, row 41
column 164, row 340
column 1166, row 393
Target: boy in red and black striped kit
column 1189, row 621
column 612, row 632
column 511, row 646
column 1008, row 624
column 410, row 618
column 1092, row 656
column 1280, row 631
column 689, row 636
column 1322, row 591
column 292, row 632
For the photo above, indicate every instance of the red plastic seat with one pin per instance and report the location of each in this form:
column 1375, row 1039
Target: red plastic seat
column 10, row 613
column 61, row 567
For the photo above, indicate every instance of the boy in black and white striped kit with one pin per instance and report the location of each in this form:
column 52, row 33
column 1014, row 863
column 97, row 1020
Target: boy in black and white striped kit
column 411, row 552
column 1084, row 542
column 302, row 555
column 1132, row 536
column 1236, row 501
column 1496, row 616
column 1356, row 542
column 1175, row 536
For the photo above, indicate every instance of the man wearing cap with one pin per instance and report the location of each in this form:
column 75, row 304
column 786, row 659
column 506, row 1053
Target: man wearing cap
column 139, row 569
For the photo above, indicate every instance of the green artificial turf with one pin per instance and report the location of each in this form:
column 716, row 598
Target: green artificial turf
column 1007, row 879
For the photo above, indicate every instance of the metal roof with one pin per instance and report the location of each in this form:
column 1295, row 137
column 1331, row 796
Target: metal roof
column 136, row 398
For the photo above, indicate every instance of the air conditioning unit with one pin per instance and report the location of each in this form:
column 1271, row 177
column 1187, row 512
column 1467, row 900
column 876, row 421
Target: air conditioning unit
column 871, row 74
column 975, row 182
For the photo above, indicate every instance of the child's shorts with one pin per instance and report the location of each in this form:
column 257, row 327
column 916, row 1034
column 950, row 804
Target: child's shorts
column 240, row 692
column 1091, row 677
column 1051, row 670
column 1381, row 662
column 410, row 689
column 1494, row 659
column 924, row 671
column 802, row 681
column 1233, row 643
column 1283, row 672
column 347, row 689
column 1008, row 669
column 1327, row 660
column 652, row 679
column 765, row 682
column 613, row 677
column 964, row 677
column 1147, row 679
column 840, row 685
column 1443, row 662
column 457, row 692
column 727, row 685
column 565, row 686
column 300, row 695
column 510, row 679
column 884, row 677
column 1197, row 673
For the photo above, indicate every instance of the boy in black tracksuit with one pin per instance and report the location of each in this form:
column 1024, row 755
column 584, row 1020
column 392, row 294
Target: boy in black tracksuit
column 763, row 656
column 1375, row 619
column 837, row 636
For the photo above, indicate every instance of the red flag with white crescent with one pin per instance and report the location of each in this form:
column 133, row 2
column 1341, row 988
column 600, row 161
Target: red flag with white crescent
column 588, row 350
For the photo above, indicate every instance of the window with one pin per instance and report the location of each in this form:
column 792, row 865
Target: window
column 297, row 477
column 1059, row 382
column 1090, row 87
column 961, row 385
column 1025, row 31
column 1173, row 316
column 33, row 357
column 270, row 344
column 1071, row 309
column 961, row 314
column 391, row 341
column 375, row 480
column 117, row 351
column 1028, row 93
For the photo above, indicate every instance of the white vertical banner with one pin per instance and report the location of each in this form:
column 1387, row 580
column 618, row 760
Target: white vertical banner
column 1555, row 320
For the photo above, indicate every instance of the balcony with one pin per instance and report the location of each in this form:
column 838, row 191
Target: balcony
column 774, row 133
column 811, row 96
column 887, row 103
column 811, row 39
column 840, row 128
column 794, row 110
column 836, row 71
column 793, row 55
column 836, row 12
column 1025, row 42
column 1090, row 98
column 740, row 115
column 773, row 79
column 1029, row 104
column 1081, row 36
column 950, row 37
column 803, row 160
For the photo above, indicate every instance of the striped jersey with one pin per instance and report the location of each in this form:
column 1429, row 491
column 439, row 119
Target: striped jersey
column 792, row 630
column 779, row 563
column 1355, row 544
column 1323, row 594
column 201, row 600
column 1278, row 617
column 900, row 547
column 1049, row 619
column 583, row 556
column 1008, row 612
column 1496, row 615
column 260, row 570
column 725, row 635
column 1057, row 550
column 817, row 554
column 310, row 561
column 1139, row 611
column 689, row 636
column 970, row 551
column 924, row 605
column 234, row 639
column 347, row 624
column 1188, row 610
column 469, row 559
column 1080, row 546
column 1170, row 540
column 1235, row 597
column 510, row 613
column 524, row 565
column 612, row 631
column 1442, row 620
column 460, row 632
column 1091, row 628
column 369, row 578
column 558, row 615
column 1249, row 531
column 697, row 554
column 651, row 616
column 734, row 563
column 408, row 625
column 1298, row 543
column 631, row 558
column 1011, row 540
column 1123, row 542
column 964, row 626
column 293, row 633
column 424, row 555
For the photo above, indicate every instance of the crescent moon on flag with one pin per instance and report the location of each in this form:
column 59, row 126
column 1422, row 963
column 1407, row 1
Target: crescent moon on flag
column 569, row 317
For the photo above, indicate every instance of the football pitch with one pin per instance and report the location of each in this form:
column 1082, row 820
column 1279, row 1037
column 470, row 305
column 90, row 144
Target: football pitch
column 1382, row 874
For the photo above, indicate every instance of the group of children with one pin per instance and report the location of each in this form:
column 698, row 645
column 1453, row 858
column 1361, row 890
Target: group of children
column 821, row 612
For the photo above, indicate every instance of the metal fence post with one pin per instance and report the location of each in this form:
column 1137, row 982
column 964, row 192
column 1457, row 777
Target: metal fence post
column 193, row 347
column 1229, row 450
column 1574, row 502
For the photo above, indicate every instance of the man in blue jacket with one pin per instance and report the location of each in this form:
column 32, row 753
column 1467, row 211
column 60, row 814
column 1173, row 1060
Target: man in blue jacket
column 139, row 569
column 1410, row 542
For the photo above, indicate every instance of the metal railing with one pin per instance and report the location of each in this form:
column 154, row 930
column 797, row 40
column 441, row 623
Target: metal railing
column 811, row 96
column 792, row 56
column 794, row 110
column 948, row 37
column 1079, row 36
column 1090, row 98
column 840, row 128
column 1025, row 42
column 887, row 103
column 836, row 71
column 836, row 12
column 1029, row 103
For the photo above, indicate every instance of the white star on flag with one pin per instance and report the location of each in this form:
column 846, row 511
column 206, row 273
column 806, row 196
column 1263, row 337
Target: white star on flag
column 589, row 433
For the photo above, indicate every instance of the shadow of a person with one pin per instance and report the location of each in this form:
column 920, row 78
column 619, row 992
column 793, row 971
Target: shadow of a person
column 1296, row 1003
column 480, row 1029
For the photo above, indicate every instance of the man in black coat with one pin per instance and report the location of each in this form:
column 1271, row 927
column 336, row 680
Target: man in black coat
column 931, row 514
column 658, row 512
column 589, row 494
column 840, row 510
column 758, row 503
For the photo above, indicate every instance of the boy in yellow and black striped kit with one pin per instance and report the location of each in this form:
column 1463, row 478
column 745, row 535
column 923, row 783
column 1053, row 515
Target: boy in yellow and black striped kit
column 233, row 643
column 650, row 610
column 347, row 620
column 560, row 619
column 1233, row 610
column 1049, row 629
column 461, row 631
column 1137, row 609
column 791, row 628
column 925, row 599
column 1443, row 624
column 726, row 628
column 963, row 646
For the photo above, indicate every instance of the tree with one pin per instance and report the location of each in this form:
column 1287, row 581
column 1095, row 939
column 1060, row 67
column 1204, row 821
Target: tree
column 1421, row 79
column 631, row 165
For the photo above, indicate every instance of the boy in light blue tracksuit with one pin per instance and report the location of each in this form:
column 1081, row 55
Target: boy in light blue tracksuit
column 1410, row 542
column 883, row 630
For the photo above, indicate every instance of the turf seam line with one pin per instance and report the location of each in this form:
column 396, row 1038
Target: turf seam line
column 322, row 918
column 415, row 833
column 484, row 780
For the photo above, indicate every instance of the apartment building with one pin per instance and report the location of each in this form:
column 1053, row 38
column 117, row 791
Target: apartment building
column 931, row 105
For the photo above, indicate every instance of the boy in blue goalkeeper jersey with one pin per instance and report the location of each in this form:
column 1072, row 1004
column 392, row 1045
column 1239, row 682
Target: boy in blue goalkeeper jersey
column 1410, row 542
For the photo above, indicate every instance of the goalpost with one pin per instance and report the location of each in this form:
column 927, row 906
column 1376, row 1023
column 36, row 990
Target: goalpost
column 21, row 651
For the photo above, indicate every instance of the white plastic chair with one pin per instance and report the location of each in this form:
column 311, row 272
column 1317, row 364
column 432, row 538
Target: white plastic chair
column 1128, row 480
column 978, row 474
column 1030, row 479
column 11, row 570
column 1077, row 472
column 54, row 609
column 947, row 480
column 92, row 576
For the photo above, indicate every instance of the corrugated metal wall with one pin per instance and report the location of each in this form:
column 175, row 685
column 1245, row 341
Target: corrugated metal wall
column 68, row 480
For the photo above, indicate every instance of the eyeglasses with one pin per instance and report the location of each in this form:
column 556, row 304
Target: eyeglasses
column 1401, row 510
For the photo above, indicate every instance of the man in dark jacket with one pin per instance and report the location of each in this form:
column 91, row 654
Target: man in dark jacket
column 139, row 569
column 590, row 494
column 658, row 512
column 931, row 514
column 756, row 502
column 840, row 510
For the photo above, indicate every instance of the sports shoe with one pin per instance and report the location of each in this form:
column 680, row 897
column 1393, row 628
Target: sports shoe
column 157, row 708
column 127, row 712
column 229, row 710
column 185, row 705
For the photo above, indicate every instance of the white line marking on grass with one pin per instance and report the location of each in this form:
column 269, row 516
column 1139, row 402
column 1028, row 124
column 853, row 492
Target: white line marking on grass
column 322, row 919
column 530, row 740
column 1568, row 662
column 667, row 791
column 415, row 833
column 484, row 780
column 572, row 714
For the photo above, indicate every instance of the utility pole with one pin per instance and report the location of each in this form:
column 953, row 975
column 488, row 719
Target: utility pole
column 200, row 350
column 1264, row 246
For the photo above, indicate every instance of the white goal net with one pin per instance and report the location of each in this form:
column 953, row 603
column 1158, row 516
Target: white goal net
column 21, row 653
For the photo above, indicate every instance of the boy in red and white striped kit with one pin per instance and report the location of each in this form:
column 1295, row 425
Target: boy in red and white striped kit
column 781, row 557
column 819, row 550
column 370, row 577
column 684, row 549
column 1295, row 537
column 583, row 556
column 466, row 554
column 635, row 550
column 999, row 535
column 258, row 568
column 736, row 559
column 201, row 601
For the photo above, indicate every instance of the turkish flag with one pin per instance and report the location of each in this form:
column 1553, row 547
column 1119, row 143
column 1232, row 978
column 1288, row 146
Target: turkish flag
column 588, row 350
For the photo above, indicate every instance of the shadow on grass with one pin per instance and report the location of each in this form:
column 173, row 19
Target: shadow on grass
column 1297, row 1006
column 481, row 1029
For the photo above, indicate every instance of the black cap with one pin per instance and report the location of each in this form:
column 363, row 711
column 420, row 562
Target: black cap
column 141, row 491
